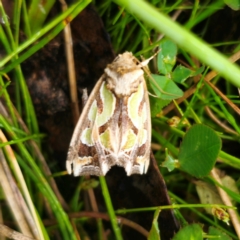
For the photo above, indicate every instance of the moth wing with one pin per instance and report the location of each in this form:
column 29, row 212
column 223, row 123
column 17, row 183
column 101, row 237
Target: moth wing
column 137, row 159
column 143, row 160
column 82, row 158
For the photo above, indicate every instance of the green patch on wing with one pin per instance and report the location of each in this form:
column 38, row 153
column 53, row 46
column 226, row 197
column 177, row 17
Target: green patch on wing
column 92, row 111
column 133, row 105
column 142, row 136
column 86, row 137
column 105, row 139
column 131, row 139
column 109, row 102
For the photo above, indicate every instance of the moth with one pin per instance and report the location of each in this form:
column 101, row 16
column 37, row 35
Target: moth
column 115, row 125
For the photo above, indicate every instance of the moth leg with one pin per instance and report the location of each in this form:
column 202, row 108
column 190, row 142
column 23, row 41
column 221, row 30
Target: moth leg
column 71, row 158
column 102, row 158
column 84, row 96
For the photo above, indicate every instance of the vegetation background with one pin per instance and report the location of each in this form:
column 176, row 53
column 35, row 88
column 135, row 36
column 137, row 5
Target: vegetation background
column 196, row 83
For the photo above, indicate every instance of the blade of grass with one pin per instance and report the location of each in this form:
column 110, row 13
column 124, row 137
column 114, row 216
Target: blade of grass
column 26, row 22
column 6, row 97
column 32, row 137
column 16, row 20
column 38, row 12
column 110, row 208
column 164, row 142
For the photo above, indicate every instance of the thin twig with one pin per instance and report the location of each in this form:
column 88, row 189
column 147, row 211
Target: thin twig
column 12, row 234
column 224, row 97
column 217, row 121
column 71, row 66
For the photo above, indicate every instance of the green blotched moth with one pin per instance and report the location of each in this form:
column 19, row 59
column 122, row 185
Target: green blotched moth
column 115, row 125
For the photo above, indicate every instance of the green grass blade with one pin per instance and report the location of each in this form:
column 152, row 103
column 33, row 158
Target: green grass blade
column 110, row 209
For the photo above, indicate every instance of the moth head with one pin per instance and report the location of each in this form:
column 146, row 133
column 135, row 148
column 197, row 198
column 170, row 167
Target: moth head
column 124, row 75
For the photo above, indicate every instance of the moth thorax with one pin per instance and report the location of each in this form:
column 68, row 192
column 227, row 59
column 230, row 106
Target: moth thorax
column 123, row 84
column 123, row 89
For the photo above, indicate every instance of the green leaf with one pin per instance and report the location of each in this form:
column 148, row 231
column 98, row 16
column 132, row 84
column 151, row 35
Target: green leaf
column 191, row 232
column 167, row 56
column 181, row 73
column 154, row 233
column 165, row 88
column 170, row 163
column 199, row 150
column 217, row 234
column 233, row 4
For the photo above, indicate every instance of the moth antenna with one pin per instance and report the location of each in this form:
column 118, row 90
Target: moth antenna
column 155, row 96
column 144, row 63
